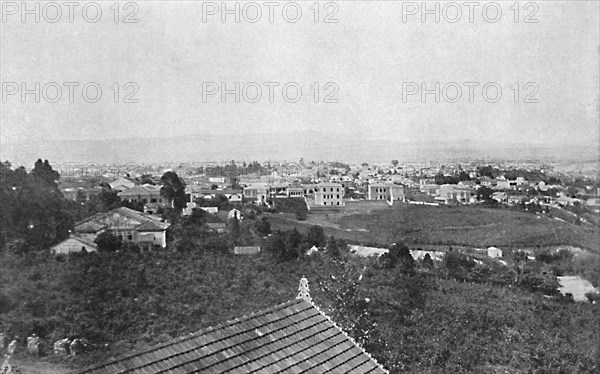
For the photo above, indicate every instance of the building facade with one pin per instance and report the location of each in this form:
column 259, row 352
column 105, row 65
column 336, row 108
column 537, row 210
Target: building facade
column 142, row 194
column 128, row 225
column 329, row 194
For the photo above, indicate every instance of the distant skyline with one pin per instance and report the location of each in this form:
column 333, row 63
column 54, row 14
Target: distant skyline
column 368, row 54
column 310, row 145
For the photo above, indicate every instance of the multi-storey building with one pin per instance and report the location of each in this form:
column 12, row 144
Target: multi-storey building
column 329, row 194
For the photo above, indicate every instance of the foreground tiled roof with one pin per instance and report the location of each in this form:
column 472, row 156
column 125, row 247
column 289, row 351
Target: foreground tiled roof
column 294, row 337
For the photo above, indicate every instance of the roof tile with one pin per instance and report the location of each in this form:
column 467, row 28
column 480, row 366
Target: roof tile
column 292, row 337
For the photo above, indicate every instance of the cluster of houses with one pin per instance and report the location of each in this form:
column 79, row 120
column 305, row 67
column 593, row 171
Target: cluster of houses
column 330, row 188
column 504, row 191
column 332, row 185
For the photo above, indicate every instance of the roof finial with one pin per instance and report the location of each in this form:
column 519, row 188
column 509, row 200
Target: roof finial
column 303, row 290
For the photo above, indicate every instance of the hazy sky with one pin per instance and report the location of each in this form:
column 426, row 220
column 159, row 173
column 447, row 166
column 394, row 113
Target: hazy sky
column 367, row 54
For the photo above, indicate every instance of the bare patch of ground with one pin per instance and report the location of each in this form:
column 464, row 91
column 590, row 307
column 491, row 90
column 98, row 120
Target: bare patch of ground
column 576, row 286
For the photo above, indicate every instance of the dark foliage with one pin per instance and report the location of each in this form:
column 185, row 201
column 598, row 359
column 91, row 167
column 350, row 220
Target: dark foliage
column 173, row 189
column 316, row 236
column 263, row 227
column 108, row 242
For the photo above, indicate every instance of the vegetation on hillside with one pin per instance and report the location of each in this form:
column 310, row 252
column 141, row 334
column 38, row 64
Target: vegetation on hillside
column 456, row 315
column 453, row 317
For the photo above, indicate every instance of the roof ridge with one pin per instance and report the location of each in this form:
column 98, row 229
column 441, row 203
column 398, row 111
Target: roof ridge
column 83, row 239
column 348, row 336
column 196, row 334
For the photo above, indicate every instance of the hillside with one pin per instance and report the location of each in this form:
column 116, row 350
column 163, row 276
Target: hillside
column 463, row 225
column 473, row 226
column 423, row 322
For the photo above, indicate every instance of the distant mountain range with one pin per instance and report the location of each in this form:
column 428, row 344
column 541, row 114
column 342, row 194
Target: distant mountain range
column 310, row 145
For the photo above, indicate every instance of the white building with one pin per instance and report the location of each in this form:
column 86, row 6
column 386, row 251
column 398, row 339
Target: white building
column 494, row 252
column 378, row 191
column 329, row 194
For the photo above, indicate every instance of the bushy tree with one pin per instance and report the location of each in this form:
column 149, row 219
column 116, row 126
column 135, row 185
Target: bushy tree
column 398, row 256
column 135, row 205
column 32, row 207
column 332, row 247
column 458, row 265
column 462, row 176
column 108, row 242
column 427, row 261
column 263, row 227
column 535, row 277
column 173, row 189
column 105, row 201
column 43, row 174
column 293, row 244
column 131, row 247
column 276, row 245
column 316, row 236
column 146, row 179
column 485, row 194
column 234, row 229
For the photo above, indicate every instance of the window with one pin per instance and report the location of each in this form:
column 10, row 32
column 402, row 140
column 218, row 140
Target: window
column 120, row 236
column 152, row 200
column 129, row 236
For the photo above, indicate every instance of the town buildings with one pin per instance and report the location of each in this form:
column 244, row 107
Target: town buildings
column 146, row 193
column 256, row 192
column 453, row 194
column 85, row 194
column 389, row 192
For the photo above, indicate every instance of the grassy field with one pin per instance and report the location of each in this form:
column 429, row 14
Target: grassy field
column 464, row 225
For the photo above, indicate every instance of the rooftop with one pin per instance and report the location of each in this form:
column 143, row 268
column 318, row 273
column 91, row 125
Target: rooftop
column 292, row 337
column 100, row 221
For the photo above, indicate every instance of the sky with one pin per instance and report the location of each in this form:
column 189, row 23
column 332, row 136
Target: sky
column 367, row 63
